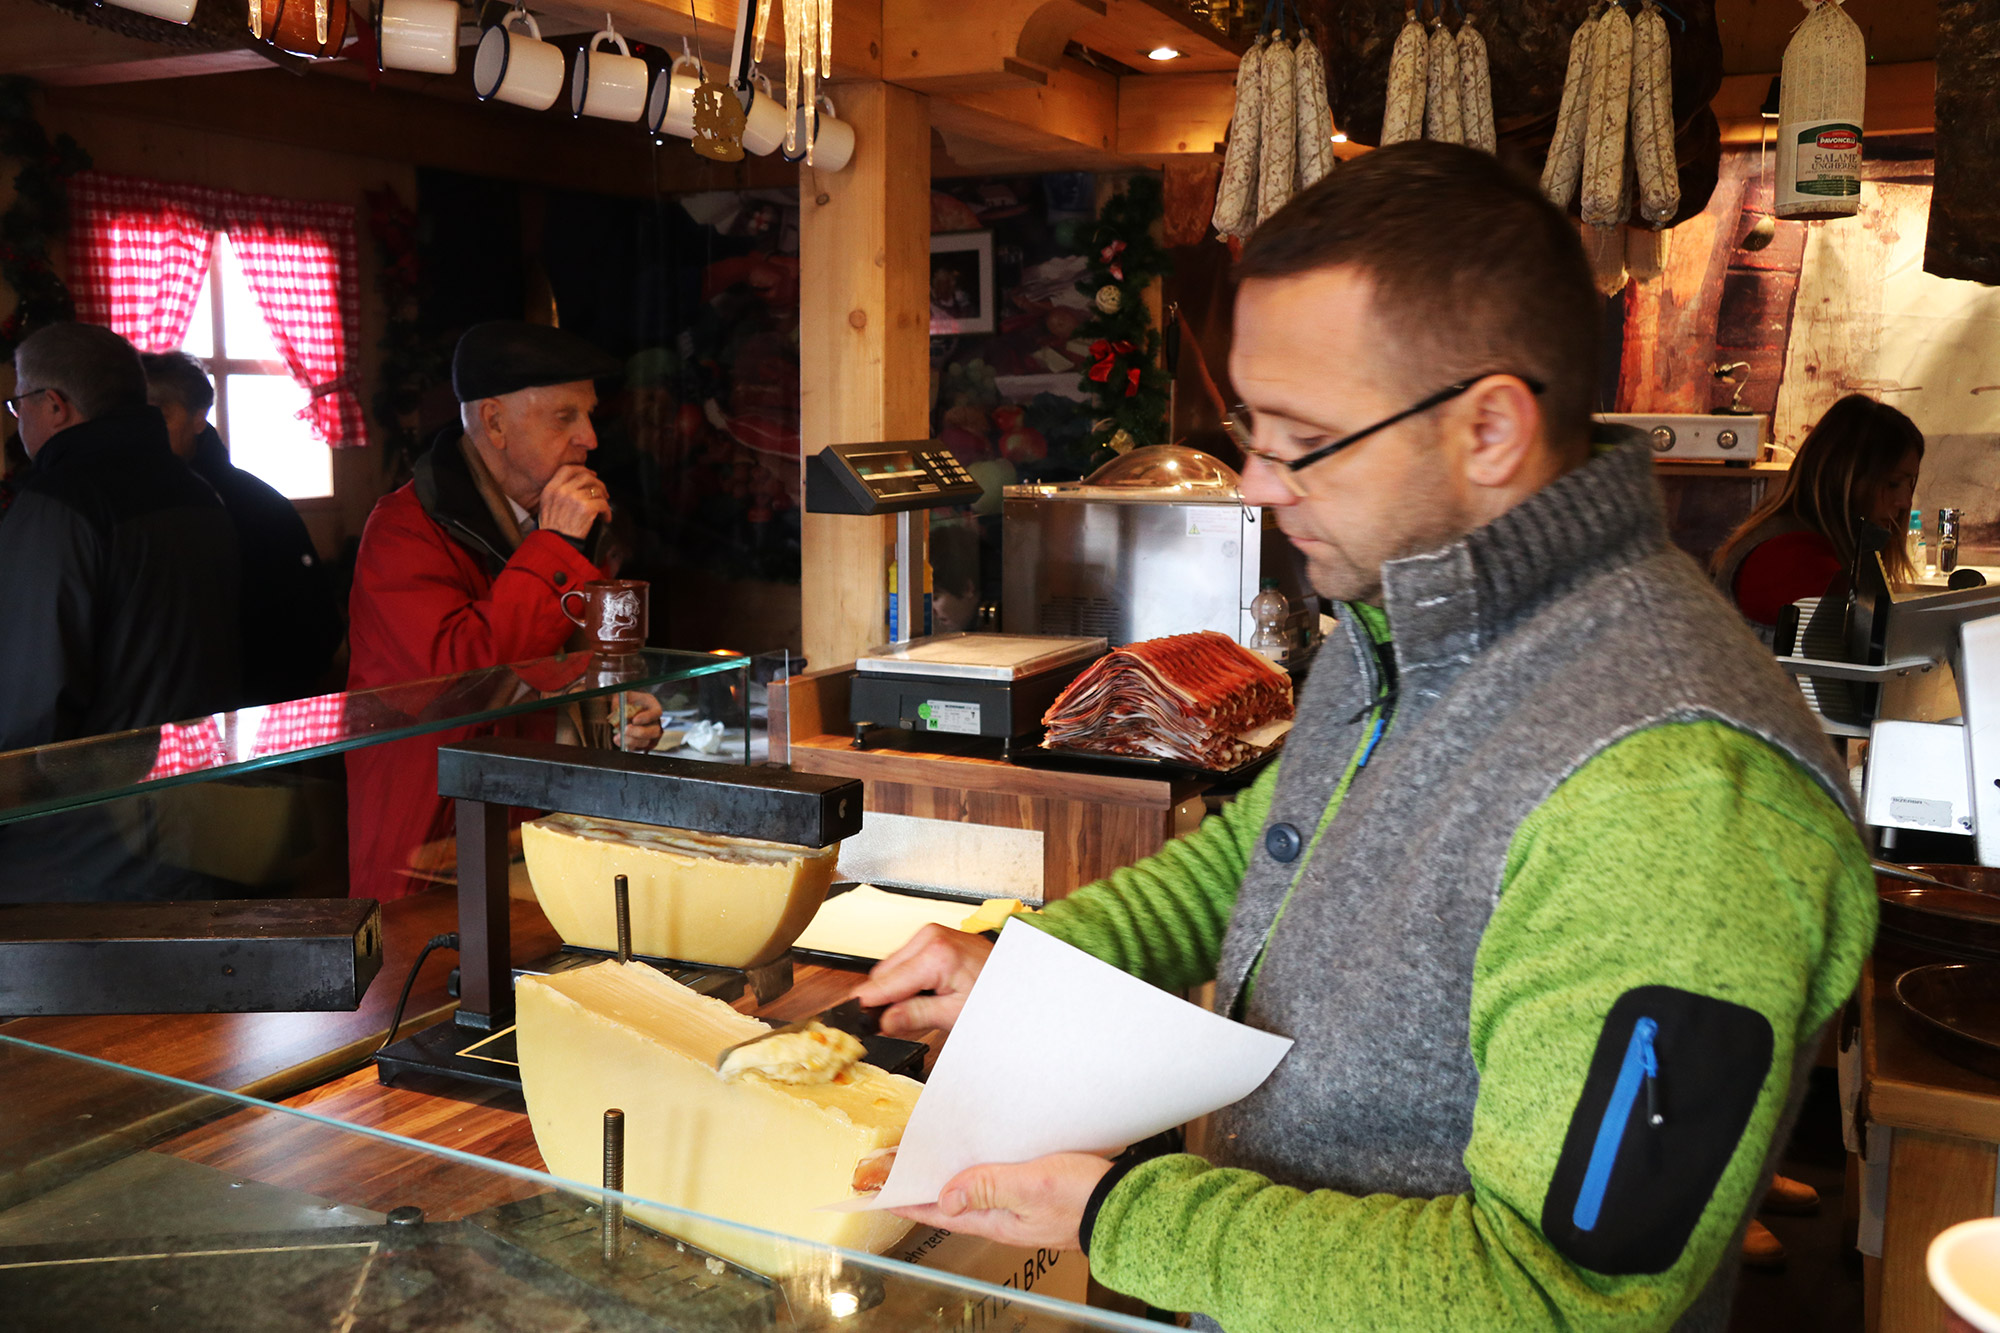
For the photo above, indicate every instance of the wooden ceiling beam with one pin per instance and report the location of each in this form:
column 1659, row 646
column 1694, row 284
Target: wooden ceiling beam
column 1902, row 99
column 1072, row 118
column 857, row 28
column 981, row 47
column 397, row 123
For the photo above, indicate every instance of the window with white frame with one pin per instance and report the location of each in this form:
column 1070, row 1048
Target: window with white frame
column 257, row 403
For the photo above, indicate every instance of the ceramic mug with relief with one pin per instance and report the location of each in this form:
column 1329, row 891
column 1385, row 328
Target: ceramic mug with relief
column 670, row 110
column 611, row 613
column 420, row 35
column 511, row 67
column 609, row 85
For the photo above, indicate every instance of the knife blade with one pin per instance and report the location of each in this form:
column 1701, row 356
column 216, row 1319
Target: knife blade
column 848, row 1016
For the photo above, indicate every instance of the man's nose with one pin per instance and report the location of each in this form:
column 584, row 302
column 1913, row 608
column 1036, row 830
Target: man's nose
column 587, row 436
column 1262, row 485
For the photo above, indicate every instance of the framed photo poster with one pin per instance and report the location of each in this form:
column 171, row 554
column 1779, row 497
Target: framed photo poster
column 962, row 296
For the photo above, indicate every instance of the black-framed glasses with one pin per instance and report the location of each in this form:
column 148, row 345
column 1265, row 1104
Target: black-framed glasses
column 1239, row 424
column 14, row 403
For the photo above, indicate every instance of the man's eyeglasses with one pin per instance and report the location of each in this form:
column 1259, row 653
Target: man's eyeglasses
column 1238, row 423
column 14, row 403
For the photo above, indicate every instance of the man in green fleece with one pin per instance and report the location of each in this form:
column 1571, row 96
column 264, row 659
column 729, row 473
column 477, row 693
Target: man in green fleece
column 1555, row 885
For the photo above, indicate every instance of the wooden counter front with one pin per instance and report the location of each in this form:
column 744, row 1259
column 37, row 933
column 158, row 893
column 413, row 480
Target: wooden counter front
column 1091, row 823
column 1945, row 1146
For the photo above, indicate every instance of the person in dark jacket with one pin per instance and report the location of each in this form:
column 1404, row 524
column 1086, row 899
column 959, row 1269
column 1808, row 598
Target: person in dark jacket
column 118, row 608
column 291, row 622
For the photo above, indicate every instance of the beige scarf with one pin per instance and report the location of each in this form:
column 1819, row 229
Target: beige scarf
column 490, row 492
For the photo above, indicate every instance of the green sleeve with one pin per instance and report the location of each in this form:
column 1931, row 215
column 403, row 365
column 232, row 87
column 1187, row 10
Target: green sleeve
column 1689, row 855
column 1162, row 919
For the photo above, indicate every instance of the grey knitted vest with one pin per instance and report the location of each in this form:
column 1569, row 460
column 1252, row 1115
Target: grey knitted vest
column 1521, row 651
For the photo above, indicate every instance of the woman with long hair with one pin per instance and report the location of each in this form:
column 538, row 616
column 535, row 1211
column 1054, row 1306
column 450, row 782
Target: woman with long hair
column 1859, row 464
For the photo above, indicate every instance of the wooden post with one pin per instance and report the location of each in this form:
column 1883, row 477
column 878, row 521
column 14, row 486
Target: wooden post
column 864, row 345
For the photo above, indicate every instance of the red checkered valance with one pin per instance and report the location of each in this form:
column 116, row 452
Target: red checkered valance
column 139, row 249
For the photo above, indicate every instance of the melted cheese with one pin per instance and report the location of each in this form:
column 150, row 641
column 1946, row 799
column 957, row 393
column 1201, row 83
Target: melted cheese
column 815, row 1054
column 731, row 902
column 765, row 1154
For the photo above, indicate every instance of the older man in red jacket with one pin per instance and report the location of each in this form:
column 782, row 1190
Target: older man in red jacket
column 463, row 567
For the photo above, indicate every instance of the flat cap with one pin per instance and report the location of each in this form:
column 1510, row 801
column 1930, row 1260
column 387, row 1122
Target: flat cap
column 507, row 355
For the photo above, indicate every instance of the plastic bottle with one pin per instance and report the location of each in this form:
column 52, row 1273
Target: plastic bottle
column 1914, row 543
column 1270, row 607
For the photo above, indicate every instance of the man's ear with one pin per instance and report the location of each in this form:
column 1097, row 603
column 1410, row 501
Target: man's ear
column 492, row 421
column 1505, row 423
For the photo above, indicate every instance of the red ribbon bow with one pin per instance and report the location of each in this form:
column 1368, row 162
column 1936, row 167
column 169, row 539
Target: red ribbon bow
column 1108, row 352
column 1109, row 255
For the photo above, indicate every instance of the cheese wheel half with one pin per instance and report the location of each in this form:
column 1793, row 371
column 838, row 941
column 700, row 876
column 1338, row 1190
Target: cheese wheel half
column 728, row 902
column 763, row 1154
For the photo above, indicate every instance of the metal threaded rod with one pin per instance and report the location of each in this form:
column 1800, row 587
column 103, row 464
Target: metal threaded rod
column 614, row 1181
column 623, row 889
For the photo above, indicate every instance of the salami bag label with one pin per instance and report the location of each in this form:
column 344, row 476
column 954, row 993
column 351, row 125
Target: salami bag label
column 1825, row 162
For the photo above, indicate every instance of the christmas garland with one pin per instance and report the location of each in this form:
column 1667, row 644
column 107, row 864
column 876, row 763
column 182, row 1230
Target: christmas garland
column 1125, row 376
column 39, row 214
column 411, row 363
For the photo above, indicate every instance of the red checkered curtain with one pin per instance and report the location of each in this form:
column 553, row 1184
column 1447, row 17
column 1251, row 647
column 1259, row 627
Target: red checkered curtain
column 141, row 247
column 138, row 250
column 299, row 260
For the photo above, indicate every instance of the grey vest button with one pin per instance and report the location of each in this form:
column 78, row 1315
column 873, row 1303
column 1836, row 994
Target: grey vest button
column 1283, row 842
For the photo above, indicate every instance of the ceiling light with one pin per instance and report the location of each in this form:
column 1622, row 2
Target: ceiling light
column 1338, row 137
column 1163, row 53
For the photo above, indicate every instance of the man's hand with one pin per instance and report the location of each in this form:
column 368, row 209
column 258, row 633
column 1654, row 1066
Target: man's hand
column 642, row 722
column 1038, row 1203
column 573, row 500
column 938, row 960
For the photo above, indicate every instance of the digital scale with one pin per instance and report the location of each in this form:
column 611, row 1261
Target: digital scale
column 992, row 685
column 900, row 477
column 888, row 478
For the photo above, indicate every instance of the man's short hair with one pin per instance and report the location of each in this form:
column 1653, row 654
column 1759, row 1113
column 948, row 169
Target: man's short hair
column 1473, row 271
column 94, row 368
column 180, row 375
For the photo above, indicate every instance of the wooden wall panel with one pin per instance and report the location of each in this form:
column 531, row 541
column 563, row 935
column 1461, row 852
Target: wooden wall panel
column 864, row 362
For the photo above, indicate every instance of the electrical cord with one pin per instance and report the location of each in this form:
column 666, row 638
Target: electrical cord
column 446, row 941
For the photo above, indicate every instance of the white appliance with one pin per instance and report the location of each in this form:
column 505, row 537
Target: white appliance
column 1689, row 438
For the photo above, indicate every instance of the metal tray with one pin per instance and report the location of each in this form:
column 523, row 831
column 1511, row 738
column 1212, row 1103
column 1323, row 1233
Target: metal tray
column 1133, row 765
column 1954, row 1008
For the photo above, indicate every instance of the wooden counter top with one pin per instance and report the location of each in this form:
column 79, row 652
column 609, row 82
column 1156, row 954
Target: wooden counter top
column 273, row 1055
column 891, row 760
column 1909, row 1086
column 485, row 1121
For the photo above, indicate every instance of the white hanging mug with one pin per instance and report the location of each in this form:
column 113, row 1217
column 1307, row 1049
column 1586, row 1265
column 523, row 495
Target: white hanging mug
column 670, row 109
column 508, row 67
column 173, row 11
column 610, row 87
column 764, row 127
column 833, row 140
column 420, row 35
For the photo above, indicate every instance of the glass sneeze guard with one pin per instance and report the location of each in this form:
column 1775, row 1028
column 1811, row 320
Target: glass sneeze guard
column 73, row 774
column 131, row 1200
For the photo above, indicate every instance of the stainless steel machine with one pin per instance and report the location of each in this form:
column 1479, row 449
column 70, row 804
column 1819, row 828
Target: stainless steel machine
column 1156, row 542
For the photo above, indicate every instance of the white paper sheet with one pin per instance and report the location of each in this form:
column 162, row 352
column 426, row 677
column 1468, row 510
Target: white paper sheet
column 1058, row 1052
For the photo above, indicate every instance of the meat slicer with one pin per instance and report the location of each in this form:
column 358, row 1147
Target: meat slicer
column 1924, row 672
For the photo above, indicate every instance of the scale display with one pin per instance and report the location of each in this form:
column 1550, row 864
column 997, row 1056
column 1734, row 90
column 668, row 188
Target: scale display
column 887, row 478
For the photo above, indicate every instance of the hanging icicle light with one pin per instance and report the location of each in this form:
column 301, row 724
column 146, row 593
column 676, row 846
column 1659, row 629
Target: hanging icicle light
column 808, row 57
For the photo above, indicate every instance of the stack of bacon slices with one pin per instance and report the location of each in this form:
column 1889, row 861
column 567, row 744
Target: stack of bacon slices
column 1198, row 699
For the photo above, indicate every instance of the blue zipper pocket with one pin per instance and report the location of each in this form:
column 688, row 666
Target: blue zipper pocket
column 1639, row 1072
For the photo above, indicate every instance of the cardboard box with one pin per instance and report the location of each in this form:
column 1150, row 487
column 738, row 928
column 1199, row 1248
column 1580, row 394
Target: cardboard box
column 1062, row 1274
